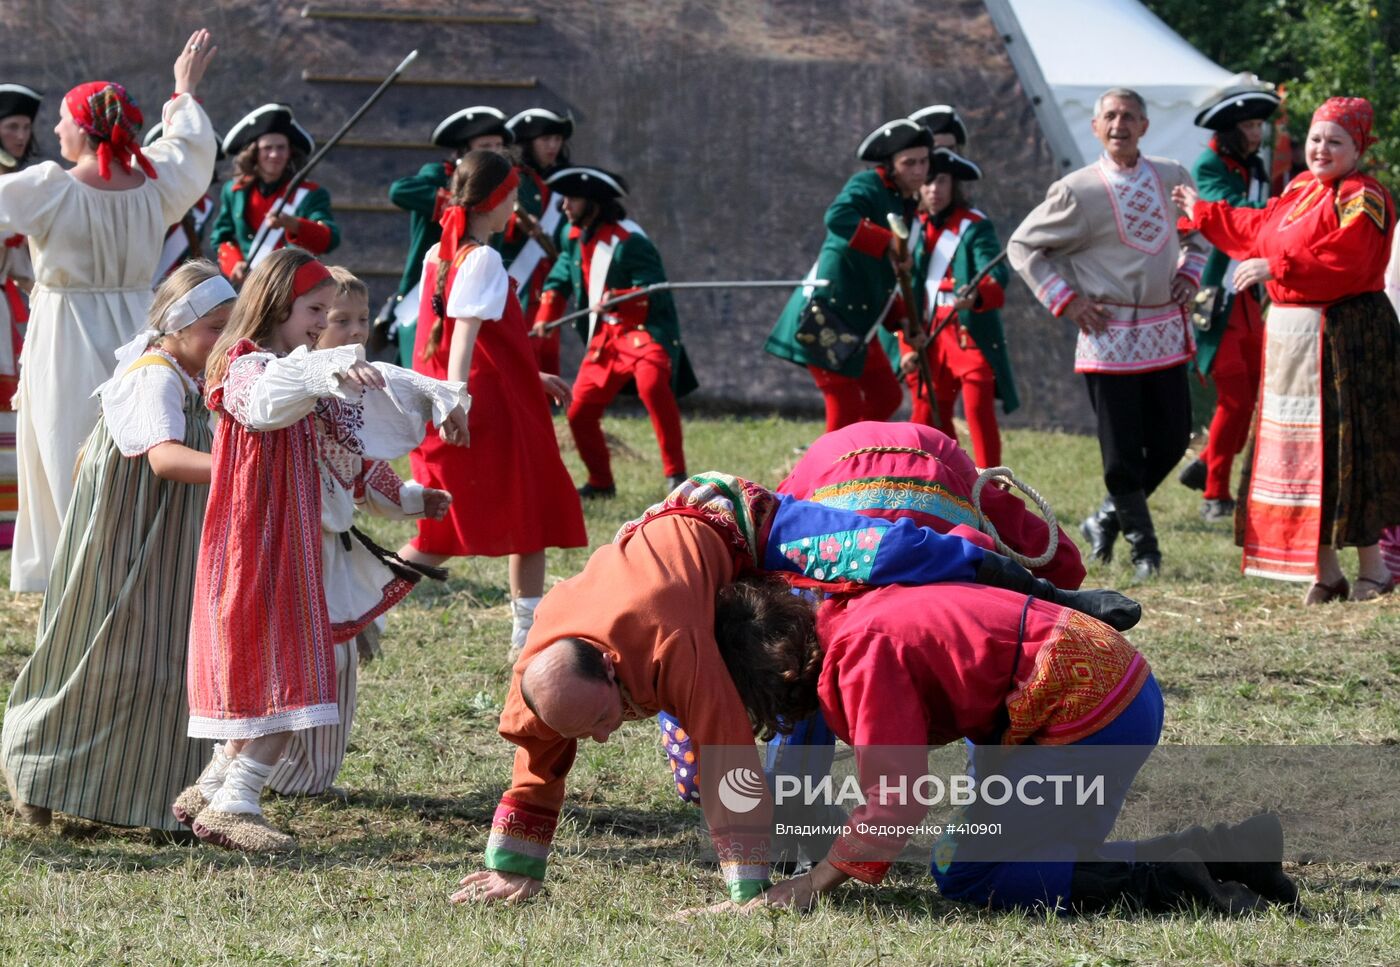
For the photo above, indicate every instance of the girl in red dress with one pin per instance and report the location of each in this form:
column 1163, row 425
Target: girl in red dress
column 511, row 492
column 262, row 645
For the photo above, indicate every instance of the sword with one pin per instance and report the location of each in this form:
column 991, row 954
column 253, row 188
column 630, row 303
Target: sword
column 331, row 142
column 669, row 286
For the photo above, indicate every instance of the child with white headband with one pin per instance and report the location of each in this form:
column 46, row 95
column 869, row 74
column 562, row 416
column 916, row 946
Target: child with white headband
column 95, row 725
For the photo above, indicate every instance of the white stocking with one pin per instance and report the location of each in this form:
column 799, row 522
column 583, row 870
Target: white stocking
column 242, row 788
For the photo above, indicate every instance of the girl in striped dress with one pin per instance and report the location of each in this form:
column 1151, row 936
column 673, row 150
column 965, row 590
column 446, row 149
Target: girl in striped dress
column 95, row 723
column 262, row 641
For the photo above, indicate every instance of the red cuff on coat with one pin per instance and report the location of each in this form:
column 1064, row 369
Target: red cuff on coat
column 552, row 303
column 870, row 239
column 990, row 295
column 229, row 257
column 312, row 236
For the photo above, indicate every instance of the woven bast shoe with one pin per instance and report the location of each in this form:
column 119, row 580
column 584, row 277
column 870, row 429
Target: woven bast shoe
column 245, row 832
column 188, row 805
column 30, row 813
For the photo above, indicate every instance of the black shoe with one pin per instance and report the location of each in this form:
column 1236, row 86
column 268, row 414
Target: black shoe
column 1101, row 529
column 1193, row 474
column 1259, row 837
column 1215, row 510
column 1180, row 883
column 674, row 481
column 589, row 492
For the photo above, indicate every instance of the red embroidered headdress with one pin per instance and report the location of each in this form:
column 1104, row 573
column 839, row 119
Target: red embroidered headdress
column 104, row 110
column 1353, row 114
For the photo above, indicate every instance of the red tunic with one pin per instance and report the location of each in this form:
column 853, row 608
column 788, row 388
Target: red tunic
column 910, row 667
column 511, row 493
column 1323, row 241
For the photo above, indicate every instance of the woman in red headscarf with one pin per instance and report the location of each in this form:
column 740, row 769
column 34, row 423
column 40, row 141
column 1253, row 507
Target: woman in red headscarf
column 95, row 232
column 1326, row 467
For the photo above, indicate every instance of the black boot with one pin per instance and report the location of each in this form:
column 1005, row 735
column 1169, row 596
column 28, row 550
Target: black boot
column 1193, row 475
column 1259, row 836
column 1100, row 529
column 1181, row 883
column 1135, row 519
column 590, row 492
column 1113, row 609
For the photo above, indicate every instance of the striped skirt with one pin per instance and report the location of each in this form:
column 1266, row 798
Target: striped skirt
column 95, row 725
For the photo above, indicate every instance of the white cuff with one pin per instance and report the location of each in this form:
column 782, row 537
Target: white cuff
column 411, row 498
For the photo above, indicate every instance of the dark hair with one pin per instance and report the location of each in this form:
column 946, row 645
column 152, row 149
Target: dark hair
column 602, row 212
column 527, row 157
column 585, row 661
column 246, row 161
column 479, row 173
column 767, row 637
column 1232, row 140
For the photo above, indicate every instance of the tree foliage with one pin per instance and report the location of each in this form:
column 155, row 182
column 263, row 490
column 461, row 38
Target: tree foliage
column 1313, row 49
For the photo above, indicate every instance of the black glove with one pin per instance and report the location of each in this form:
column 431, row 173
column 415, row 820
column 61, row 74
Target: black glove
column 1116, row 610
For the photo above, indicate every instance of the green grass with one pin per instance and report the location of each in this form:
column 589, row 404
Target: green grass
column 1240, row 661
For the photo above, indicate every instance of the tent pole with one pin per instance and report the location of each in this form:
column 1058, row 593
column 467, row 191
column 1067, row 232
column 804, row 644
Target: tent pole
column 1047, row 111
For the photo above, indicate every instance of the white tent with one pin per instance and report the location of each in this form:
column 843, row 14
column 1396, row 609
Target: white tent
column 1068, row 52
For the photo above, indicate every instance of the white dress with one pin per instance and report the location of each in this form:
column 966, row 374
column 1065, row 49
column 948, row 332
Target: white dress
column 94, row 255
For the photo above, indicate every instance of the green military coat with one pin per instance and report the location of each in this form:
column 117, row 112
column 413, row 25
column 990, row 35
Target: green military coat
column 635, row 263
column 854, row 260
column 1218, row 179
column 977, row 246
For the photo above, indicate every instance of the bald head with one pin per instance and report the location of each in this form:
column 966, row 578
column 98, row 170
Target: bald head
column 572, row 687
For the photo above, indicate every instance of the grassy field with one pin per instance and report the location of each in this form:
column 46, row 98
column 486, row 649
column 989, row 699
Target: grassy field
column 1240, row 661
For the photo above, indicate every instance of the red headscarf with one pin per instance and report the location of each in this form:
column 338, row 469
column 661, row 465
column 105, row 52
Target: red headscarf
column 104, row 110
column 454, row 226
column 1353, row 114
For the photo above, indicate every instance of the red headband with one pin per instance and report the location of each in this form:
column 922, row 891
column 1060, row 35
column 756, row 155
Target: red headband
column 454, row 217
column 105, row 111
column 511, row 182
column 308, row 277
column 1353, row 115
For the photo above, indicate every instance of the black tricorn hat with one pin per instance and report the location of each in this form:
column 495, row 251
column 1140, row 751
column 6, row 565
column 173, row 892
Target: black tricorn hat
column 157, row 131
column 584, row 181
column 456, row 130
column 946, row 159
column 893, row 136
column 268, row 119
column 18, row 99
column 536, row 122
column 1234, row 106
column 941, row 119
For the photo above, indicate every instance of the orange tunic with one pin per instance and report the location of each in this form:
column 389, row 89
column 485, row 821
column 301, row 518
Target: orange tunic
column 649, row 602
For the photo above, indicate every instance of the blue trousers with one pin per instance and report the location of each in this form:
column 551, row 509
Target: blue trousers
column 1040, row 876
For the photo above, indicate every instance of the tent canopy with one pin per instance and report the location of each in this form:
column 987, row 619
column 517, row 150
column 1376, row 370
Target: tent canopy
column 1068, row 52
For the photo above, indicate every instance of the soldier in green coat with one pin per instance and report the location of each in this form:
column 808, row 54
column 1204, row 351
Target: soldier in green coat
column 422, row 196
column 542, row 138
column 966, row 347
column 606, row 255
column 831, row 330
column 1230, row 323
column 268, row 147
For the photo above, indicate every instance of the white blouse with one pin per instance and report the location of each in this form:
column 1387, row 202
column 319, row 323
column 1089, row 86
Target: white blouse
column 146, row 407
column 480, row 287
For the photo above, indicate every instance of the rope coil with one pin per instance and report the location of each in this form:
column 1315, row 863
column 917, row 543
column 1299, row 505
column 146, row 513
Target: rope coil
column 1048, row 512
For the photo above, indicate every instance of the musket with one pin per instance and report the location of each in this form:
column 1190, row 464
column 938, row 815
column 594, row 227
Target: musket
column 911, row 326
column 311, row 163
column 533, row 229
column 668, row 286
column 968, row 289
